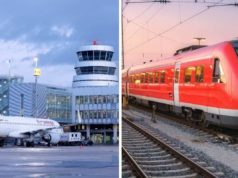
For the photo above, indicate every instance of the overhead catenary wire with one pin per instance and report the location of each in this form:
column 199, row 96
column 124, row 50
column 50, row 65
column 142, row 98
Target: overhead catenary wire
column 222, row 5
column 171, row 28
column 171, row 1
column 147, row 21
column 149, row 30
column 143, row 12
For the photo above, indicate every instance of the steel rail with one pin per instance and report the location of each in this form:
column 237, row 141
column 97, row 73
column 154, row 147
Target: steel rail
column 180, row 120
column 135, row 167
column 196, row 167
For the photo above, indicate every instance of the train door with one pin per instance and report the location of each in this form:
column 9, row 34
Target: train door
column 176, row 83
column 127, row 83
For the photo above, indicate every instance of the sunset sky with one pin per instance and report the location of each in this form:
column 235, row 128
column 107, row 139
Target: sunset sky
column 146, row 21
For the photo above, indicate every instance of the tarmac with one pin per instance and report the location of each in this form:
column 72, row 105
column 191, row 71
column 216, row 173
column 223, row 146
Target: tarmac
column 59, row 162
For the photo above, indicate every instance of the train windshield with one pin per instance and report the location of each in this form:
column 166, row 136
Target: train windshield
column 236, row 49
column 235, row 45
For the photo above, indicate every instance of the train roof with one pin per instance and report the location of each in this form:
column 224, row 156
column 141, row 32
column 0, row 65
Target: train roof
column 195, row 54
column 188, row 48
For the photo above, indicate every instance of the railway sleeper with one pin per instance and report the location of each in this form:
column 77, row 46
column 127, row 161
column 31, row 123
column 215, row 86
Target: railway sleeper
column 127, row 173
column 128, row 146
column 167, row 156
column 136, row 141
column 125, row 167
column 140, row 152
column 127, row 137
column 176, row 165
column 140, row 145
column 145, row 149
column 146, row 154
column 158, row 162
column 192, row 175
column 170, row 172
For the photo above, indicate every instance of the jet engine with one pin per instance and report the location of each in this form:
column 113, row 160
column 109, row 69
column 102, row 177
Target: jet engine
column 53, row 136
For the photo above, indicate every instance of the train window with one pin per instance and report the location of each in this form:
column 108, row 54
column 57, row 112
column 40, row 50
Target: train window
column 199, row 74
column 142, row 77
column 176, row 77
column 146, row 77
column 130, row 79
column 162, row 77
column 156, row 77
column 188, row 74
column 151, row 77
column 218, row 74
column 137, row 79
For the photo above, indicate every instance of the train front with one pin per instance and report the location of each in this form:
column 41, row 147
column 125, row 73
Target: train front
column 229, row 113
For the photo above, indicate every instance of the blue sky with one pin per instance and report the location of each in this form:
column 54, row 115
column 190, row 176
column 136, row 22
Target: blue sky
column 53, row 31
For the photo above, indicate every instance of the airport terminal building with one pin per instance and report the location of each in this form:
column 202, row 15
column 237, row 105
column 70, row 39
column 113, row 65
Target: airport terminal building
column 93, row 100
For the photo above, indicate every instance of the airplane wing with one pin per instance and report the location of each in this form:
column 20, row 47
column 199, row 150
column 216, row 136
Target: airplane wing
column 24, row 133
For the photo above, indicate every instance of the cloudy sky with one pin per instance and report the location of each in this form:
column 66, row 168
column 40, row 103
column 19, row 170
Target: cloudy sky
column 154, row 31
column 53, row 31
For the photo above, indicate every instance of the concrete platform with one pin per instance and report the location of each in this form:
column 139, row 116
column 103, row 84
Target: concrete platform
column 59, row 162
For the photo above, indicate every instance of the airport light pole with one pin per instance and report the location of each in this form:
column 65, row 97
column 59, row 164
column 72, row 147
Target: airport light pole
column 9, row 70
column 37, row 73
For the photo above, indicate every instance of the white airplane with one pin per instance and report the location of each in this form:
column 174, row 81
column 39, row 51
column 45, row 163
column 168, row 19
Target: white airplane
column 27, row 128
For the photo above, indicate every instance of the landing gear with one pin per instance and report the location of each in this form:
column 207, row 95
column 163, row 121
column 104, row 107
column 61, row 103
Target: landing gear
column 48, row 144
column 1, row 142
column 47, row 139
column 30, row 144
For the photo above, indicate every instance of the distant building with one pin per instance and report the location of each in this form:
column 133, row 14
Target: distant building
column 52, row 102
column 5, row 82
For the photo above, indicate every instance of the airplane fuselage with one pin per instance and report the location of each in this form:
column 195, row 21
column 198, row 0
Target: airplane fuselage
column 23, row 127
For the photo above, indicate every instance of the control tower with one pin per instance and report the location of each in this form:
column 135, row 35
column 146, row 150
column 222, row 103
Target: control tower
column 95, row 66
column 95, row 94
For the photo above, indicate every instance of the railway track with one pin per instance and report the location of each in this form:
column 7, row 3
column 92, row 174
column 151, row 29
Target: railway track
column 215, row 134
column 147, row 154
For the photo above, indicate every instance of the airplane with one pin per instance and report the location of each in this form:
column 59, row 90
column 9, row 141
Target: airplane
column 27, row 128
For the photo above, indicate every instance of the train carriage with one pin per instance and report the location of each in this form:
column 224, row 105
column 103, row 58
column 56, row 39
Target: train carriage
column 201, row 84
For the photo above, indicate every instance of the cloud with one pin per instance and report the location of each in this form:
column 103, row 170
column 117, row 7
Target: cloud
column 21, row 54
column 18, row 50
column 63, row 31
column 60, row 75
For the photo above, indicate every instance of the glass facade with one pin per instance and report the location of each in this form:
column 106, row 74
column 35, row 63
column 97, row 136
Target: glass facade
column 5, row 82
column 58, row 106
column 98, row 106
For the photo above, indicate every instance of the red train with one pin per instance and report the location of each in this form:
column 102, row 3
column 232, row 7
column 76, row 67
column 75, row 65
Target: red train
column 201, row 84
